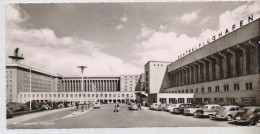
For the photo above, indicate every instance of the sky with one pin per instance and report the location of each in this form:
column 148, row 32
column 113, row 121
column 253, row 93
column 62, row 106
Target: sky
column 114, row 38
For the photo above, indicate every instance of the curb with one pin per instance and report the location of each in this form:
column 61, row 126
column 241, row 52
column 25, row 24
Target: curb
column 26, row 117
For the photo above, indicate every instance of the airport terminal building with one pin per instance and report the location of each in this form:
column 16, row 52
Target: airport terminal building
column 226, row 71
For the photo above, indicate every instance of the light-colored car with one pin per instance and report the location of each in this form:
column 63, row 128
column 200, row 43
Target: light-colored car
column 180, row 108
column 207, row 110
column 46, row 107
column 166, row 107
column 173, row 106
column 160, row 107
column 226, row 112
column 192, row 110
column 154, row 106
column 133, row 106
column 96, row 105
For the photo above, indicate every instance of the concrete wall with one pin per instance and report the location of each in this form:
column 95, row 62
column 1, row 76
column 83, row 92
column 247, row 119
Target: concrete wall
column 156, row 74
column 255, row 92
column 236, row 37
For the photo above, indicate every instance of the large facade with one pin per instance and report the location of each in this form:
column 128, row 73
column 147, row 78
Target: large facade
column 226, row 71
column 18, row 80
column 47, row 86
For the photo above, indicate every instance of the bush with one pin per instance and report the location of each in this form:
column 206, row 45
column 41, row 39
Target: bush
column 9, row 113
column 14, row 106
column 26, row 112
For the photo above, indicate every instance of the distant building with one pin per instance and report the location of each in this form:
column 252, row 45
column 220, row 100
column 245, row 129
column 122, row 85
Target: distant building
column 18, row 80
column 128, row 82
column 47, row 86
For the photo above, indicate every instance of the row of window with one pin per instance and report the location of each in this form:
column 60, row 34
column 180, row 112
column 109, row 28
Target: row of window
column 75, row 95
column 249, row 86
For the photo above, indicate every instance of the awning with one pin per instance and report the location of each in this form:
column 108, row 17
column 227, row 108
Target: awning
column 142, row 93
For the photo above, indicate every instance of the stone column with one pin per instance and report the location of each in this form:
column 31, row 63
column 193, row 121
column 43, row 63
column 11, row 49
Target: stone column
column 224, row 62
column 257, row 56
column 245, row 59
column 233, row 63
column 210, row 69
column 217, row 67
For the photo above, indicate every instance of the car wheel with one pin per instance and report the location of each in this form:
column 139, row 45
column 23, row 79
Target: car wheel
column 229, row 117
column 195, row 114
column 252, row 122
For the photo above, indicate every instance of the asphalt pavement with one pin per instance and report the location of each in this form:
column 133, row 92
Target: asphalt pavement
column 106, row 118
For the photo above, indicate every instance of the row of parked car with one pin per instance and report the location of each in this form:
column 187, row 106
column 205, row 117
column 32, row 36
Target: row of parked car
column 249, row 115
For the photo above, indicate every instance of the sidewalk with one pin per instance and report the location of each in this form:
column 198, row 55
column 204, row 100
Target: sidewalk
column 26, row 117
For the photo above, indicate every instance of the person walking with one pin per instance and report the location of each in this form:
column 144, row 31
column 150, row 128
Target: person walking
column 139, row 106
column 77, row 105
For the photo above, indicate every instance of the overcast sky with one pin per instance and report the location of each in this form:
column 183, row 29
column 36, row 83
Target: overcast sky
column 114, row 38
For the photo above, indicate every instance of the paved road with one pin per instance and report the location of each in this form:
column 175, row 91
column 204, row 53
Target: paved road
column 106, row 118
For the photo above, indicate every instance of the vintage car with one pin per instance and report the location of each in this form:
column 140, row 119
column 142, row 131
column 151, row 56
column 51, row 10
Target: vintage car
column 207, row 110
column 160, row 107
column 180, row 108
column 46, row 107
column 173, row 106
column 192, row 110
column 247, row 116
column 166, row 108
column 96, row 105
column 133, row 106
column 226, row 112
column 154, row 106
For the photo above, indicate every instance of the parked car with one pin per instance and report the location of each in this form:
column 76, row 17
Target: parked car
column 160, row 107
column 166, row 108
column 154, row 106
column 247, row 116
column 180, row 108
column 60, row 106
column 46, row 107
column 173, row 106
column 96, row 105
column 133, row 106
column 192, row 110
column 226, row 112
column 207, row 110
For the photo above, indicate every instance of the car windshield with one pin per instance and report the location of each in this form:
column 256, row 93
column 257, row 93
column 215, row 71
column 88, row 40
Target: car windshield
column 206, row 107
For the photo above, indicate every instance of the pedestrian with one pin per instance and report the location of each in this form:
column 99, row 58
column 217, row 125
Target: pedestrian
column 139, row 106
column 77, row 105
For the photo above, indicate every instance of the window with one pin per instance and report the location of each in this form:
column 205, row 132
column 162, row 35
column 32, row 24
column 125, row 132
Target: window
column 197, row 90
column 202, row 90
column 249, row 86
column 187, row 90
column 217, row 88
column 182, row 91
column 232, row 109
column 226, row 88
column 191, row 90
column 209, row 89
column 236, row 87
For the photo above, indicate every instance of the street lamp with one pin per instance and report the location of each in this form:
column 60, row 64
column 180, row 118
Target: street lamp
column 82, row 71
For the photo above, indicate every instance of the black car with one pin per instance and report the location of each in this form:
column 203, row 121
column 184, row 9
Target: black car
column 180, row 109
column 247, row 116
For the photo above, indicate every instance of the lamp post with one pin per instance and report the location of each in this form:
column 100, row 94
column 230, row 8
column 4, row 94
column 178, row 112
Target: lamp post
column 82, row 71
